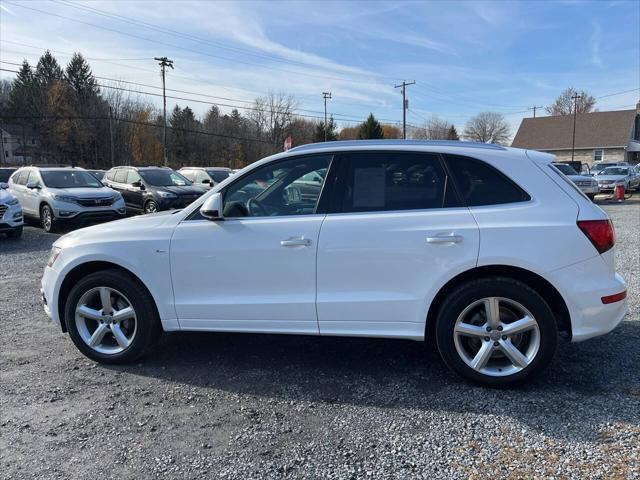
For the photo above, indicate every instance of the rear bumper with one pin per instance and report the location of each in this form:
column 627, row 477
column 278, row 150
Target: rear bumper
column 582, row 286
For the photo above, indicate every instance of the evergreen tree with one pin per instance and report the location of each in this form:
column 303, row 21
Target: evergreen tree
column 331, row 128
column 370, row 129
column 452, row 134
column 48, row 71
column 22, row 99
column 81, row 79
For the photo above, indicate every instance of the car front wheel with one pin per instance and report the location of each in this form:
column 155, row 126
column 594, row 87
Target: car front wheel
column 150, row 207
column 496, row 332
column 111, row 318
column 47, row 219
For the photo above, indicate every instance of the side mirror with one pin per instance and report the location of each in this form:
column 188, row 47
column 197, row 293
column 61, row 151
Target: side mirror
column 138, row 184
column 211, row 209
column 206, row 180
column 4, row 186
column 33, row 186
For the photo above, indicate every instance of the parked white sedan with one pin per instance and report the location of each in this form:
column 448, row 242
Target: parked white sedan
column 486, row 250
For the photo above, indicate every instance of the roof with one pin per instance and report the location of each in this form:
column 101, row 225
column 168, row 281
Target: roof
column 390, row 143
column 18, row 129
column 593, row 130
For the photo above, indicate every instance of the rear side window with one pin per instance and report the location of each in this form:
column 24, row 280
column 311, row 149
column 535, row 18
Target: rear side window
column 120, row 176
column 387, row 181
column 480, row 184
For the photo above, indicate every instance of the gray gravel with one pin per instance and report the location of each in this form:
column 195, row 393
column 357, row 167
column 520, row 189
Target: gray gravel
column 261, row 406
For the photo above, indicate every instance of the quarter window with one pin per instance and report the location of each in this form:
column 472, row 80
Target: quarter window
column 386, row 181
column 480, row 184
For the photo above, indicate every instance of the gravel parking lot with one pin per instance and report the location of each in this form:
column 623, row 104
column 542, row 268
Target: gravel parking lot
column 261, row 406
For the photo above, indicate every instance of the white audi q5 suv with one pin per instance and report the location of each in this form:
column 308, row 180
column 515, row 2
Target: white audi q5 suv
column 490, row 252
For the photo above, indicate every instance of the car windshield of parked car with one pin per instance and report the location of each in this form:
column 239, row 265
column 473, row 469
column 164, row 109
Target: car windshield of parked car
column 69, row 179
column 615, row 171
column 5, row 174
column 218, row 175
column 163, row 178
column 566, row 169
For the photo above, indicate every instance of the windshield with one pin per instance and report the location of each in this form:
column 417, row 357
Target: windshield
column 163, row 178
column 69, row 179
column 218, row 175
column 597, row 167
column 615, row 171
column 566, row 169
column 5, row 173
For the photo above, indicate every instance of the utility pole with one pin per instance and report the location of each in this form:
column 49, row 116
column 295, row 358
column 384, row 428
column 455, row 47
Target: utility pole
column 575, row 99
column 405, row 105
column 164, row 62
column 325, row 95
column 113, row 163
column 534, row 108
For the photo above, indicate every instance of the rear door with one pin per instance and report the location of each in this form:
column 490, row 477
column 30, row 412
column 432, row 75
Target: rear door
column 31, row 197
column 396, row 232
column 134, row 193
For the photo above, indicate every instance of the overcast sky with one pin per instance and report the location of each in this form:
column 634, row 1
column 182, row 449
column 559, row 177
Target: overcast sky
column 466, row 57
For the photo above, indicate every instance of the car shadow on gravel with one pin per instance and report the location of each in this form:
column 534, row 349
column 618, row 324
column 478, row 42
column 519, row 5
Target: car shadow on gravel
column 589, row 383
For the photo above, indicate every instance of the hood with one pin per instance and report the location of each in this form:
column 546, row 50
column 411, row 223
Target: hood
column 127, row 228
column 5, row 196
column 186, row 190
column 84, row 192
column 616, row 178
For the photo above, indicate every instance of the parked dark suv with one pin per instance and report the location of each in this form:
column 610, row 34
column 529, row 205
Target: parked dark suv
column 151, row 189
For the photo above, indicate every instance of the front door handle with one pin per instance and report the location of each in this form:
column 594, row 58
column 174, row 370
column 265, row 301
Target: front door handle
column 296, row 242
column 443, row 239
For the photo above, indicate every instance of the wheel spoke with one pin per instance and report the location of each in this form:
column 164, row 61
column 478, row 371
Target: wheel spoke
column 470, row 330
column 124, row 314
column 516, row 357
column 492, row 309
column 482, row 357
column 98, row 335
column 105, row 299
column 89, row 313
column 119, row 335
column 519, row 326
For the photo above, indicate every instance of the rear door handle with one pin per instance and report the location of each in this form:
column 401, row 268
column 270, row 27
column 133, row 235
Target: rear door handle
column 443, row 239
column 296, row 242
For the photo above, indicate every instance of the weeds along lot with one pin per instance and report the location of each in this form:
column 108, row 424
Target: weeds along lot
column 262, row 406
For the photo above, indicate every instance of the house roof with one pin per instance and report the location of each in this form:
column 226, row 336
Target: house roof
column 17, row 130
column 593, row 130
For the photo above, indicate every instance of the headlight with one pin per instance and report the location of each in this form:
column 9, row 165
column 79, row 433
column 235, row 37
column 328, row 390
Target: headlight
column 53, row 256
column 117, row 198
column 64, row 198
column 13, row 202
column 167, row 195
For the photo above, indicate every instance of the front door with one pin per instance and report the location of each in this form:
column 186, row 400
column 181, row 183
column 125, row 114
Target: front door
column 256, row 269
column 397, row 231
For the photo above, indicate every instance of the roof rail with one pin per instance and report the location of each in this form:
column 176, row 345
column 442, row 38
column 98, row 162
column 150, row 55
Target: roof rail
column 399, row 143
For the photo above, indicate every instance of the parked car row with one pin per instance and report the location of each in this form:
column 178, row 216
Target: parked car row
column 56, row 195
column 605, row 178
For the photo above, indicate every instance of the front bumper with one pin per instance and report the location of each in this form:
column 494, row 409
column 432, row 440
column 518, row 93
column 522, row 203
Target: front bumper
column 582, row 286
column 176, row 203
column 590, row 190
column 47, row 293
column 12, row 218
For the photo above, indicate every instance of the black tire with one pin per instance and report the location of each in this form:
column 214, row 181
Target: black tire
column 508, row 288
column 148, row 326
column 150, row 206
column 15, row 233
column 48, row 219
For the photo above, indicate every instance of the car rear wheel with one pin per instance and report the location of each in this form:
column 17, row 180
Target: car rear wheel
column 150, row 207
column 496, row 332
column 111, row 318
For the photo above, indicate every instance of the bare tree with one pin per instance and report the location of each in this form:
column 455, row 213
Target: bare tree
column 487, row 127
column 563, row 105
column 273, row 114
column 434, row 129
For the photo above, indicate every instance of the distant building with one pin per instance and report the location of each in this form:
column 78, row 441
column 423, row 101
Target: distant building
column 610, row 136
column 19, row 144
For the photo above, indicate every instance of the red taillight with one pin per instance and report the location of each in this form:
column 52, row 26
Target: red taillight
column 600, row 232
column 614, row 298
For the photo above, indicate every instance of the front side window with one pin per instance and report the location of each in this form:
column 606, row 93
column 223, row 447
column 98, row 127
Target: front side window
column 386, row 181
column 33, row 178
column 164, row 178
column 20, row 178
column 201, row 176
column 480, row 184
column 69, row 179
column 277, row 189
column 598, row 155
column 132, row 177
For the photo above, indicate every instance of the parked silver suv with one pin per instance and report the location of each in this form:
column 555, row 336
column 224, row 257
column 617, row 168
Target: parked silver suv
column 57, row 195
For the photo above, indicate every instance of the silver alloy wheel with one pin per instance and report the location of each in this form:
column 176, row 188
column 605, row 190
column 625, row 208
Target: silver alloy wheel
column 151, row 207
column 47, row 219
column 106, row 320
column 496, row 336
